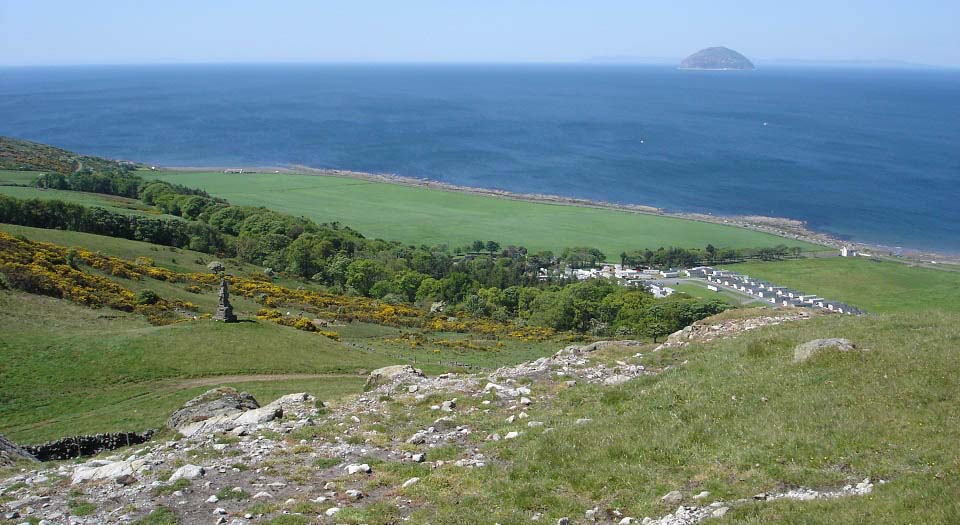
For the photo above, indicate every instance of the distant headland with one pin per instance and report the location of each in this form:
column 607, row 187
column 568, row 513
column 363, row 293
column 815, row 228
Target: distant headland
column 717, row 58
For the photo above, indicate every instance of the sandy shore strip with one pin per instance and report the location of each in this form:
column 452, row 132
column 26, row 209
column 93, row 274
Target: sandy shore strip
column 779, row 226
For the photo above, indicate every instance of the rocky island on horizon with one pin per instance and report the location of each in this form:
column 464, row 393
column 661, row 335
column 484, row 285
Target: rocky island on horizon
column 717, row 59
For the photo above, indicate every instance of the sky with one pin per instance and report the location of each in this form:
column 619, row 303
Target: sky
column 61, row 32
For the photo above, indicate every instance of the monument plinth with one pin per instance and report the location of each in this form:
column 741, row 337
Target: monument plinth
column 224, row 309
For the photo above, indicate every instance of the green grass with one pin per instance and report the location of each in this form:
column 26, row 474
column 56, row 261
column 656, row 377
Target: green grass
column 110, row 202
column 70, row 369
column 159, row 516
column 737, row 419
column 429, row 216
column 874, row 285
column 19, row 178
column 81, row 507
column 700, row 290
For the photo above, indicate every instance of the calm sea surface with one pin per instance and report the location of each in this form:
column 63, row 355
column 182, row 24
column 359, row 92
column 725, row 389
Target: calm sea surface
column 869, row 155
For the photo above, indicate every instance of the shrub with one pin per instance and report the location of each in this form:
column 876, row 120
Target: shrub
column 72, row 258
column 147, row 297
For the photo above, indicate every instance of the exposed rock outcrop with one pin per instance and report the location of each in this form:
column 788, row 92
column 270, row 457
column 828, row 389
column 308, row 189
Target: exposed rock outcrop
column 704, row 331
column 10, row 453
column 391, row 374
column 223, row 409
column 811, row 348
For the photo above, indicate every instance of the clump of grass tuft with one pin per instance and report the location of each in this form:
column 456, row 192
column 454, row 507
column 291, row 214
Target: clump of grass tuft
column 159, row 516
column 170, row 488
column 227, row 493
column 81, row 507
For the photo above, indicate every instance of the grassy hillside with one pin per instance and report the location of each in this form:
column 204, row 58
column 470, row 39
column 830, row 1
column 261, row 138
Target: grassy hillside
column 110, row 202
column 739, row 418
column 68, row 369
column 872, row 284
column 175, row 259
column 62, row 361
column 16, row 154
column 420, row 215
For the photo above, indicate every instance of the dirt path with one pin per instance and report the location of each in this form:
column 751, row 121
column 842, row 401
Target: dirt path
column 216, row 380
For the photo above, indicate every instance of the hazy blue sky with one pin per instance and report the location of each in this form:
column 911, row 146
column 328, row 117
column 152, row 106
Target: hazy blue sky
column 141, row 31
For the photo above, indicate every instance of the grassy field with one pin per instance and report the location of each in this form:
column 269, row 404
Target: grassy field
column 872, row 284
column 21, row 178
column 429, row 216
column 700, row 290
column 69, row 369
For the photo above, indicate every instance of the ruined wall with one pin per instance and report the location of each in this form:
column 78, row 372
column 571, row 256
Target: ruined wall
column 77, row 446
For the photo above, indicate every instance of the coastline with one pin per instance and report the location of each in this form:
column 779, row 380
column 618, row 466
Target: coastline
column 780, row 226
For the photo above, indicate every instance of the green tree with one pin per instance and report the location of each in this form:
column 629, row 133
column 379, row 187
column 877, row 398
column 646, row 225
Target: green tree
column 362, row 274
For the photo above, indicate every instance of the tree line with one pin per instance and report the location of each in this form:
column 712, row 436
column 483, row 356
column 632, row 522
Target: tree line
column 686, row 258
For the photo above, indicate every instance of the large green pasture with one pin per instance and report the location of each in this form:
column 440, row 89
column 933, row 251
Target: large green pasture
column 430, row 216
column 872, row 284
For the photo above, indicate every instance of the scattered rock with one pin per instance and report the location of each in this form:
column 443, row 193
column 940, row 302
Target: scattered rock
column 126, row 480
column 10, row 453
column 719, row 512
column 390, row 374
column 259, row 416
column 811, row 348
column 187, row 472
column 218, row 403
column 410, row 482
column 362, row 468
column 672, row 498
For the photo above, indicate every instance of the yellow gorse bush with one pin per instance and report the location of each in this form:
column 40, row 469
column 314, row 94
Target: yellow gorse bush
column 40, row 267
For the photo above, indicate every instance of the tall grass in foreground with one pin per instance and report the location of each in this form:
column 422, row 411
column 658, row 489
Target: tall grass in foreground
column 738, row 419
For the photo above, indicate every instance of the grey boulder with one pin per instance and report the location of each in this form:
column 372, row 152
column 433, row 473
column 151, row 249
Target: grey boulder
column 811, row 348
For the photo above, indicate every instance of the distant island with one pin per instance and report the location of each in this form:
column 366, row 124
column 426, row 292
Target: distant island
column 717, row 58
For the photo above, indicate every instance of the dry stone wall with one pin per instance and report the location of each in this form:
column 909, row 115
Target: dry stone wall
column 77, row 446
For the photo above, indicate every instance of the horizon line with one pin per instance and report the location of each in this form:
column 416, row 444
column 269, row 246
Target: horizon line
column 613, row 60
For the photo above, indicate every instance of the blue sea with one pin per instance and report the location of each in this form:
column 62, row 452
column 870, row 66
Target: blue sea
column 870, row 155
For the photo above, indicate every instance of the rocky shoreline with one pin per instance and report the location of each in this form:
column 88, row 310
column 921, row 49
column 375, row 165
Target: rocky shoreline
column 779, row 226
